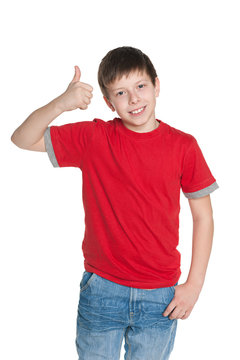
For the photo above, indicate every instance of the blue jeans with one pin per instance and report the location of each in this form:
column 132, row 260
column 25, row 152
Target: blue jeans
column 108, row 311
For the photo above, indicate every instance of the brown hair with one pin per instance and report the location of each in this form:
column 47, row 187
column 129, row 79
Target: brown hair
column 121, row 61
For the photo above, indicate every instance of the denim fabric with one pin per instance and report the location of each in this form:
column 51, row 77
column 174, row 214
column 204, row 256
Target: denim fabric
column 109, row 312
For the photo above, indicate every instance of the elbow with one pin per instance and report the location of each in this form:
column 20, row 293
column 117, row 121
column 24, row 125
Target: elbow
column 15, row 141
column 205, row 218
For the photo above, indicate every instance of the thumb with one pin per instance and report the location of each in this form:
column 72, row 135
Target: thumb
column 77, row 74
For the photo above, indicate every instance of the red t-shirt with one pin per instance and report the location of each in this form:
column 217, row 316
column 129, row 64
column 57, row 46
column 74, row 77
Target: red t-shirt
column 131, row 195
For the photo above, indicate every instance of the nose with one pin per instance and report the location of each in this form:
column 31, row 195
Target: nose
column 133, row 98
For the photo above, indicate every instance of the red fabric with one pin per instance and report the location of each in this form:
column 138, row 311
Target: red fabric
column 131, row 196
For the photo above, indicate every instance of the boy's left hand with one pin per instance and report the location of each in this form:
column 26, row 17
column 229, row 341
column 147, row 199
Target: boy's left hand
column 186, row 295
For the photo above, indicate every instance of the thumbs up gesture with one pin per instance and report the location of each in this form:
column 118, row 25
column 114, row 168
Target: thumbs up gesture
column 77, row 95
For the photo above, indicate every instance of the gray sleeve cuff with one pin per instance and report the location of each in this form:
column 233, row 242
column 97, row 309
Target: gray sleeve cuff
column 49, row 147
column 202, row 192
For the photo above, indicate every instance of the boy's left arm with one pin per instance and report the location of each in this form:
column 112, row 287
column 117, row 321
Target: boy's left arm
column 186, row 295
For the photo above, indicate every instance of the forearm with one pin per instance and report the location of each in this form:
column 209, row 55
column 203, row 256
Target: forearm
column 203, row 230
column 32, row 129
column 187, row 294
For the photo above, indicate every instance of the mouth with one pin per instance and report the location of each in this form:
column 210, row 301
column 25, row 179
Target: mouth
column 138, row 111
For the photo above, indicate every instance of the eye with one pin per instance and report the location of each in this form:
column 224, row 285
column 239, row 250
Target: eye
column 141, row 86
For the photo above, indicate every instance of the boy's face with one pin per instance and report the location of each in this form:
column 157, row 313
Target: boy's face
column 134, row 99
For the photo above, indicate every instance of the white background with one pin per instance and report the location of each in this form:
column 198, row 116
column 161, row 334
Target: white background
column 194, row 46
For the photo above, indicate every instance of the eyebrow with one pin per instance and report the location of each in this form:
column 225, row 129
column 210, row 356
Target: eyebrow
column 135, row 84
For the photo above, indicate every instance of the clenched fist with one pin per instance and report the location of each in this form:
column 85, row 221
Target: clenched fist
column 77, row 95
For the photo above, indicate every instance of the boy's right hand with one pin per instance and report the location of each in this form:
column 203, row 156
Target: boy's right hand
column 77, row 95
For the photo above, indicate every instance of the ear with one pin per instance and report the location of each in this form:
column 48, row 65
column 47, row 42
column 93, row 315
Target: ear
column 157, row 86
column 109, row 104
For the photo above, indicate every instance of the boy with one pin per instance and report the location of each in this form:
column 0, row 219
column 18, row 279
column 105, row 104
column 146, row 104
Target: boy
column 132, row 170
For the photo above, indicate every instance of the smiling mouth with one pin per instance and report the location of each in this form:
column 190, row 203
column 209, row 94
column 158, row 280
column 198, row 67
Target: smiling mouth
column 138, row 111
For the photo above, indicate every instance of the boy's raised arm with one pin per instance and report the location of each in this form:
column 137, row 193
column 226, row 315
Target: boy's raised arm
column 30, row 134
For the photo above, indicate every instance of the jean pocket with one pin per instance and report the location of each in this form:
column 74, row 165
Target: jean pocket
column 172, row 288
column 86, row 280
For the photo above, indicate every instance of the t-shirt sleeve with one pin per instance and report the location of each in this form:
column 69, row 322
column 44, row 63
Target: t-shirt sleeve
column 67, row 144
column 196, row 179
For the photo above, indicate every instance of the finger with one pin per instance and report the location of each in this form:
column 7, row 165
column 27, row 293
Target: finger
column 170, row 308
column 186, row 315
column 177, row 314
column 86, row 100
column 83, row 106
column 86, row 86
column 77, row 74
column 88, row 94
